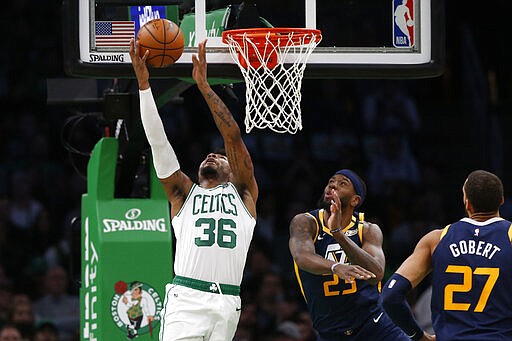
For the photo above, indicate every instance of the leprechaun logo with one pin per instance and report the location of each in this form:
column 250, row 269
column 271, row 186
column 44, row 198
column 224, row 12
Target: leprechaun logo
column 135, row 308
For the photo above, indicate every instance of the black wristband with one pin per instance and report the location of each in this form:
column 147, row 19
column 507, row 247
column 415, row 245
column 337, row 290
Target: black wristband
column 336, row 230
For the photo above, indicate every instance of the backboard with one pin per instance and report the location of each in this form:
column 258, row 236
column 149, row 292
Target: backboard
column 361, row 39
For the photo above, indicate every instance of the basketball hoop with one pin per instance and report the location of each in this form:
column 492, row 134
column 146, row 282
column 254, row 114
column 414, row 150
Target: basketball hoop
column 272, row 62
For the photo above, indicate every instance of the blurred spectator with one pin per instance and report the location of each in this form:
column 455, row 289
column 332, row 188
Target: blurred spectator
column 392, row 165
column 266, row 224
column 22, row 316
column 21, row 298
column 57, row 306
column 5, row 302
column 243, row 334
column 389, row 111
column 24, row 207
column 49, row 248
column 3, row 277
column 48, row 195
column 10, row 333
column 342, row 144
column 269, row 293
column 247, row 324
column 307, row 333
column 5, row 227
column 287, row 308
column 46, row 331
column 277, row 148
column 48, row 245
column 421, row 213
column 300, row 167
column 259, row 262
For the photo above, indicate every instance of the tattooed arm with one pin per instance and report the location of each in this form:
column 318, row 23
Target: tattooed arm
column 236, row 151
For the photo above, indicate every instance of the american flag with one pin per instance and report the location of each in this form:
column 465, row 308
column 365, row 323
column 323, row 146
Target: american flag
column 114, row 33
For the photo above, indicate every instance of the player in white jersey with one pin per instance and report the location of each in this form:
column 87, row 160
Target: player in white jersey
column 213, row 221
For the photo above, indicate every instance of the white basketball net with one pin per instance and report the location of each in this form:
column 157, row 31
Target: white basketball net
column 273, row 95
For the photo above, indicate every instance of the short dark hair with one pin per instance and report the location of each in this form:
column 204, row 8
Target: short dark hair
column 484, row 191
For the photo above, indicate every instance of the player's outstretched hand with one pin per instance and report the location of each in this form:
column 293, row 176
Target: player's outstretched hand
column 350, row 272
column 199, row 70
column 428, row 337
column 139, row 64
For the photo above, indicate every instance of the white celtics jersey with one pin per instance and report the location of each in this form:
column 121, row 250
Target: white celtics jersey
column 213, row 231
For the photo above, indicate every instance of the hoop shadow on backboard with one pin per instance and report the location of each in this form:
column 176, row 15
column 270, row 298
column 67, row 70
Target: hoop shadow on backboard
column 361, row 39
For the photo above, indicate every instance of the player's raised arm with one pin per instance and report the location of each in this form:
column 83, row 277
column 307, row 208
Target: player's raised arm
column 412, row 271
column 302, row 248
column 236, row 151
column 370, row 255
column 176, row 184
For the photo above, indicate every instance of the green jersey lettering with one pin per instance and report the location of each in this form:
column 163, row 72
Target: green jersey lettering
column 225, row 235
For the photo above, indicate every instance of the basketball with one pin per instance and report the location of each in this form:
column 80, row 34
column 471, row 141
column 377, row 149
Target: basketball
column 163, row 39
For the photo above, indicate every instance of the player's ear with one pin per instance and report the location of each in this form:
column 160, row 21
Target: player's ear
column 356, row 199
column 467, row 205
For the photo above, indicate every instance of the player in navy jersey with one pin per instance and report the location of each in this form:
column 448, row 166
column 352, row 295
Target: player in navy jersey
column 339, row 263
column 471, row 272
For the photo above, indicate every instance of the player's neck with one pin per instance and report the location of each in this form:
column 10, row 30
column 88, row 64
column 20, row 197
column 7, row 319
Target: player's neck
column 346, row 218
column 210, row 182
column 483, row 216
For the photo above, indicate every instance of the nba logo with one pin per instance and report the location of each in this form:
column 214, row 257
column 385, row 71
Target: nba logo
column 403, row 23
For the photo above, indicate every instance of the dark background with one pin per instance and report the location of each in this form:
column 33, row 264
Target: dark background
column 445, row 126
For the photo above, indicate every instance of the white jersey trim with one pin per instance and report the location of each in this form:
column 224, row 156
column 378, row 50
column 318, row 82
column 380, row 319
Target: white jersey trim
column 481, row 223
column 186, row 199
column 241, row 200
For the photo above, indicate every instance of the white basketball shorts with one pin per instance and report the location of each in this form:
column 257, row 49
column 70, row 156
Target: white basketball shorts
column 190, row 314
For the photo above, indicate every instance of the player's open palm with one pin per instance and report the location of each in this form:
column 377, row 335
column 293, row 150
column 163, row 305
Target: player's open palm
column 334, row 220
column 428, row 337
column 350, row 272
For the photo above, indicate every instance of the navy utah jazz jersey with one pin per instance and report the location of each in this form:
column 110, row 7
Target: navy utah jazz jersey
column 337, row 306
column 472, row 281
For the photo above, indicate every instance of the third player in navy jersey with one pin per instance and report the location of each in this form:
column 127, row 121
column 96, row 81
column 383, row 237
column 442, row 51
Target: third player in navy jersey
column 471, row 273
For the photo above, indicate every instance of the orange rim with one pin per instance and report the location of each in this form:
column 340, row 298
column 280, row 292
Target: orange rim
column 258, row 35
